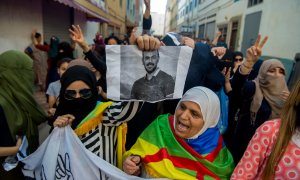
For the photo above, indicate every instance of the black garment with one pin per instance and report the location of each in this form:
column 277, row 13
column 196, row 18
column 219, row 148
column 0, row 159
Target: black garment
column 5, row 138
column 235, row 104
column 202, row 72
column 157, row 88
column 140, row 121
column 78, row 107
column 7, row 141
column 227, row 61
column 295, row 75
column 147, row 23
column 245, row 129
column 99, row 64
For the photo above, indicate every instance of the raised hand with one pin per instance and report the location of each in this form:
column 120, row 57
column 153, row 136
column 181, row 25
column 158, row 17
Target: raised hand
column 76, row 34
column 77, row 37
column 218, row 51
column 148, row 43
column 255, row 51
column 252, row 55
column 226, row 73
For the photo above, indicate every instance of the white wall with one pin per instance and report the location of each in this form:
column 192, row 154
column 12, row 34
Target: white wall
column 17, row 20
column 88, row 28
column 281, row 22
column 158, row 23
column 228, row 11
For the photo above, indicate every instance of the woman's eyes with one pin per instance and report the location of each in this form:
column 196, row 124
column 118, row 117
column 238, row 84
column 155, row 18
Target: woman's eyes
column 195, row 114
column 182, row 107
column 282, row 71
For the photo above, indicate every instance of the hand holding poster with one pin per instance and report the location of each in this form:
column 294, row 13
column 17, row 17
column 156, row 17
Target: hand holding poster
column 146, row 75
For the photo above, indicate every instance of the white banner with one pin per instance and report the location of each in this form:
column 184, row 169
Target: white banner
column 63, row 156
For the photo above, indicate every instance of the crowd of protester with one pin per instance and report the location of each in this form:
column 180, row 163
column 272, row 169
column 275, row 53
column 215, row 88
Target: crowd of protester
column 237, row 118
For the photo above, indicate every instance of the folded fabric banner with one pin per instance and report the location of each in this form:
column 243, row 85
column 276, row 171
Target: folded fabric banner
column 150, row 76
column 63, row 156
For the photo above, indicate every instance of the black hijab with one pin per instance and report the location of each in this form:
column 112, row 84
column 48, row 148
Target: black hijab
column 78, row 107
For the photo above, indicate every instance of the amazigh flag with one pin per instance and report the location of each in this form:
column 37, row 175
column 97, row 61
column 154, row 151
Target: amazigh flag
column 167, row 156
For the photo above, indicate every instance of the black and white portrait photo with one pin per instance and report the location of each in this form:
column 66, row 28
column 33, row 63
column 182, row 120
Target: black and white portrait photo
column 156, row 84
column 150, row 76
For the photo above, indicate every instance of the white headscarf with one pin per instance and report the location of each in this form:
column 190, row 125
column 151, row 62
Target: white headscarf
column 209, row 104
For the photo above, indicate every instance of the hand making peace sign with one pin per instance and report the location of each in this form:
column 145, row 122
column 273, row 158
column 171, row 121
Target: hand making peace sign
column 255, row 51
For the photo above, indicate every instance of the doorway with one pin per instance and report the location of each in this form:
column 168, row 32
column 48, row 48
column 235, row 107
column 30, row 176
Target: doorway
column 251, row 30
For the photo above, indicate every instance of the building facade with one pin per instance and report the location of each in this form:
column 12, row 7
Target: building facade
column 116, row 15
column 134, row 14
column 55, row 17
column 240, row 21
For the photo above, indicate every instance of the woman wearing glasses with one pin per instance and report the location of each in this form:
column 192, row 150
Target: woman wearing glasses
column 238, row 59
column 93, row 121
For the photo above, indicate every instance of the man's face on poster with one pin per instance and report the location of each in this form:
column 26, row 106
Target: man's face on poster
column 150, row 60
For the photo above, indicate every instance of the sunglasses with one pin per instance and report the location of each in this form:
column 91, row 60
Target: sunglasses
column 238, row 59
column 84, row 94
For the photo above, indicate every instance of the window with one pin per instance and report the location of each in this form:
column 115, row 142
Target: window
column 254, row 2
column 121, row 3
column 201, row 1
column 201, row 31
column 134, row 10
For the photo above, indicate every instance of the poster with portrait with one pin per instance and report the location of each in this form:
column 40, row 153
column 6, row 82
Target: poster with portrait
column 149, row 76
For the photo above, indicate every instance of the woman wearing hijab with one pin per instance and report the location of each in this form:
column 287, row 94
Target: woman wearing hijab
column 263, row 98
column 188, row 145
column 94, row 122
column 20, row 114
column 278, row 142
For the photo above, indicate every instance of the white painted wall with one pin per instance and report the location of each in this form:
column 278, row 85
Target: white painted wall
column 229, row 10
column 158, row 21
column 281, row 22
column 88, row 28
column 17, row 20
